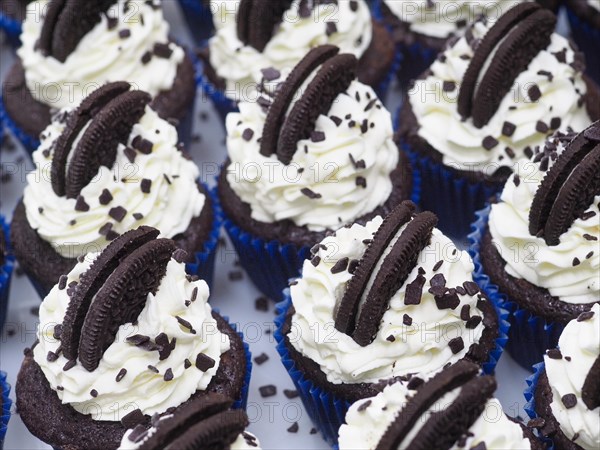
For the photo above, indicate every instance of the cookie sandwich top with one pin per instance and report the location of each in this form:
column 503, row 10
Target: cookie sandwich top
column 106, row 167
column 549, row 212
column 389, row 299
column 316, row 147
column 129, row 327
column 497, row 91
column 76, row 46
column 454, row 410
column 254, row 34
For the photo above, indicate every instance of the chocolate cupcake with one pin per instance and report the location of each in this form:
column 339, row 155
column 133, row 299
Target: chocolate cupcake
column 492, row 96
column 454, row 410
column 205, row 423
column 314, row 153
column 565, row 397
column 126, row 335
column 584, row 16
column 252, row 35
column 538, row 250
column 109, row 166
column 391, row 299
column 71, row 49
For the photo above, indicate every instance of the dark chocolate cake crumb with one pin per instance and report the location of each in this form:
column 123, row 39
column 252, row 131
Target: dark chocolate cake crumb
column 261, row 359
column 268, row 391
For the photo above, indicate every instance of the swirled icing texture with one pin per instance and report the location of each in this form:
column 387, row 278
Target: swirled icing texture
column 560, row 85
column 171, row 204
column 140, row 387
column 441, row 18
column 529, row 257
column 420, row 348
column 101, row 56
column 365, row 427
column 580, row 341
column 239, row 65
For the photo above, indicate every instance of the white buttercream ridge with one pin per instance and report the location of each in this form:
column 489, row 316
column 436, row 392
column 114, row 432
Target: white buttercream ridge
column 169, row 204
column 239, row 65
column 103, row 394
column 579, row 346
column 420, row 347
column 105, row 54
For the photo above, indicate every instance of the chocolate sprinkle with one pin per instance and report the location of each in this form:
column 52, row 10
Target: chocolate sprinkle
column 508, row 128
column 106, row 197
column 585, row 316
column 294, row 428
column 569, row 400
column 489, row 142
column 414, row 290
column 81, row 205
column 118, row 213
column 534, row 93
column 247, row 134
column 121, row 375
column 291, row 393
column 310, row 194
column 146, row 185
column 261, row 359
column 554, row 354
column 204, row 362
column 268, row 390
column 456, row 345
column 363, row 406
column 340, row 265
column 168, row 375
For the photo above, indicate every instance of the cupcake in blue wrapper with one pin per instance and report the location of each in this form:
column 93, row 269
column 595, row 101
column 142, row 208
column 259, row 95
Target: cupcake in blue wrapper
column 292, row 177
column 584, row 17
column 199, row 17
column 536, row 248
column 563, row 395
column 126, row 338
column 456, row 407
column 108, row 166
column 391, row 299
column 7, row 263
column 253, row 36
column 5, row 407
column 63, row 59
column 485, row 103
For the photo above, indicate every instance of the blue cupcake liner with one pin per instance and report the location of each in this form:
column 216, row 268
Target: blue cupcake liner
column 5, row 273
column 6, row 406
column 454, row 199
column 529, row 395
column 204, row 264
column 29, row 142
column 199, row 19
column 529, row 335
column 12, row 29
column 326, row 410
column 587, row 39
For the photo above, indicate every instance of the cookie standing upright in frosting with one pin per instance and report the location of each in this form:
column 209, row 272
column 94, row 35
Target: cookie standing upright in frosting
column 454, row 410
column 125, row 335
column 567, row 396
column 110, row 165
column 315, row 152
column 251, row 35
column 490, row 98
column 69, row 49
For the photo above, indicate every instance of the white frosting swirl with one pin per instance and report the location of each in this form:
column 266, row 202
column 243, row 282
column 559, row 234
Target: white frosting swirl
column 274, row 190
column 365, row 428
column 461, row 143
column 422, row 347
column 580, row 341
column 239, row 65
column 140, row 387
column 169, row 206
column 101, row 56
column 530, row 258
column 441, row 18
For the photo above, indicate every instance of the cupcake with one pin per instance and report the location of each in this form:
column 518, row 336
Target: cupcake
column 454, row 410
column 253, row 36
column 465, row 141
column 292, row 177
column 421, row 28
column 584, row 16
column 127, row 335
column 205, row 423
column 564, row 395
column 536, row 248
column 7, row 263
column 391, row 299
column 70, row 49
column 12, row 13
column 5, row 404
column 109, row 166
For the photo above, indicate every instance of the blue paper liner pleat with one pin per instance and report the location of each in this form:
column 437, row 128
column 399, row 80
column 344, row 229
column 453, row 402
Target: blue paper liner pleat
column 416, row 59
column 6, row 406
column 452, row 198
column 587, row 39
column 30, row 143
column 199, row 19
column 529, row 394
column 529, row 335
column 12, row 29
column 5, row 272
column 326, row 411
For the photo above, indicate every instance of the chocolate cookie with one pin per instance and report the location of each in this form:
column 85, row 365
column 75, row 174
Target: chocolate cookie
column 590, row 392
